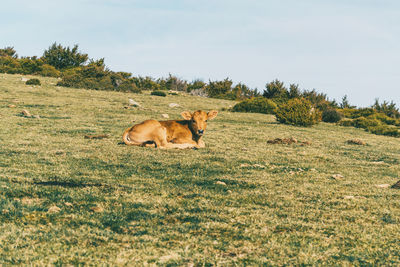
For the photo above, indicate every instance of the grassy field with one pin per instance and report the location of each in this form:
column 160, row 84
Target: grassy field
column 65, row 199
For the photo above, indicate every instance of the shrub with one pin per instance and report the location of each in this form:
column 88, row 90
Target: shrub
column 346, row 122
column 353, row 113
column 299, row 112
column 331, row 115
column 128, row 86
column 158, row 93
column 365, row 123
column 256, row 105
column 384, row 130
column 33, row 81
column 219, row 89
column 49, row 71
column 385, row 119
column 9, row 65
column 64, row 57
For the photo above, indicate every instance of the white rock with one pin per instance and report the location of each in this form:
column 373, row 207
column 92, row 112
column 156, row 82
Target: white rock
column 53, row 209
column 133, row 103
column 383, row 185
column 165, row 116
column 220, row 183
column 23, row 79
column 337, row 176
column 173, row 105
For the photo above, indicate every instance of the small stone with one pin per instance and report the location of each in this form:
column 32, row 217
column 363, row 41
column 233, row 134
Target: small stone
column 26, row 113
column 165, row 116
column 23, row 79
column 348, row 197
column 36, row 116
column 53, row 209
column 259, row 166
column 97, row 209
column 244, row 165
column 133, row 103
column 220, row 183
column 173, row 105
column 68, row 204
column 337, row 176
column 306, row 143
column 12, row 106
column 383, row 185
column 356, row 142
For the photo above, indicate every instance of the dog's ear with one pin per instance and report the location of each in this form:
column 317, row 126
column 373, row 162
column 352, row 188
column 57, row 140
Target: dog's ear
column 186, row 115
column 212, row 114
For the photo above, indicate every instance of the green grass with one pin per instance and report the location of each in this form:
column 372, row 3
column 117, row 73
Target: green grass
column 279, row 204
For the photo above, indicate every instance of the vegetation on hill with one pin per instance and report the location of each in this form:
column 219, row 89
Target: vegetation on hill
column 77, row 70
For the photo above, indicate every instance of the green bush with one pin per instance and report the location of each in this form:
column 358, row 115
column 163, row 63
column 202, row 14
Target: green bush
column 64, row 57
column 49, row 71
column 353, row 113
column 299, row 112
column 385, row 119
column 158, row 93
column 384, row 130
column 33, row 81
column 346, row 122
column 256, row 105
column 331, row 115
column 372, row 125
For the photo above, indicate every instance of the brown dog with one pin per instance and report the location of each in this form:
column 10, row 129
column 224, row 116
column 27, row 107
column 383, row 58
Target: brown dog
column 182, row 134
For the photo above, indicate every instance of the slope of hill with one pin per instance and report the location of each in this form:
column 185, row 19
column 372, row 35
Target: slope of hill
column 67, row 199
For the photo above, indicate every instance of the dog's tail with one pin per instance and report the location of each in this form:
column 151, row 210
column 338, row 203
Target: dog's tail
column 126, row 139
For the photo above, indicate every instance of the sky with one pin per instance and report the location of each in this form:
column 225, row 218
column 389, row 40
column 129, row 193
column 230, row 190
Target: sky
column 338, row 47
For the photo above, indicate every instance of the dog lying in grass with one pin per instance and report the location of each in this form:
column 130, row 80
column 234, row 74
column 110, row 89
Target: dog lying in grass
column 181, row 134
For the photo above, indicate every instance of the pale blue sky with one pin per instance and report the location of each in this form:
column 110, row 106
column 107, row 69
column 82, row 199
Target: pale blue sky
column 337, row 47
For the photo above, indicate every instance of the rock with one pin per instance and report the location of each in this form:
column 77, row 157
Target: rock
column 165, row 116
column 133, row 103
column 68, row 204
column 12, row 106
column 53, row 209
column 383, row 185
column 258, row 166
column 173, row 105
column 244, row 165
column 348, row 197
column 36, row 116
column 23, row 79
column 26, row 113
column 356, row 142
column 220, row 183
column 305, row 143
column 337, row 176
column 97, row 209
column 396, row 185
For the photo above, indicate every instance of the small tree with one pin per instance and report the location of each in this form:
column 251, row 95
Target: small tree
column 64, row 57
column 276, row 90
column 8, row 51
column 219, row 89
column 345, row 103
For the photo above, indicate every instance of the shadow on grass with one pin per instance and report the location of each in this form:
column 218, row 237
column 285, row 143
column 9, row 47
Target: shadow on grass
column 70, row 184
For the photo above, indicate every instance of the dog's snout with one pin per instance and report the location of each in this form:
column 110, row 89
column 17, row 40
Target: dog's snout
column 201, row 131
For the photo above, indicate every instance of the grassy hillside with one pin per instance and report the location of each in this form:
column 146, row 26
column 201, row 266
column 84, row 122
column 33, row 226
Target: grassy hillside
column 67, row 199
